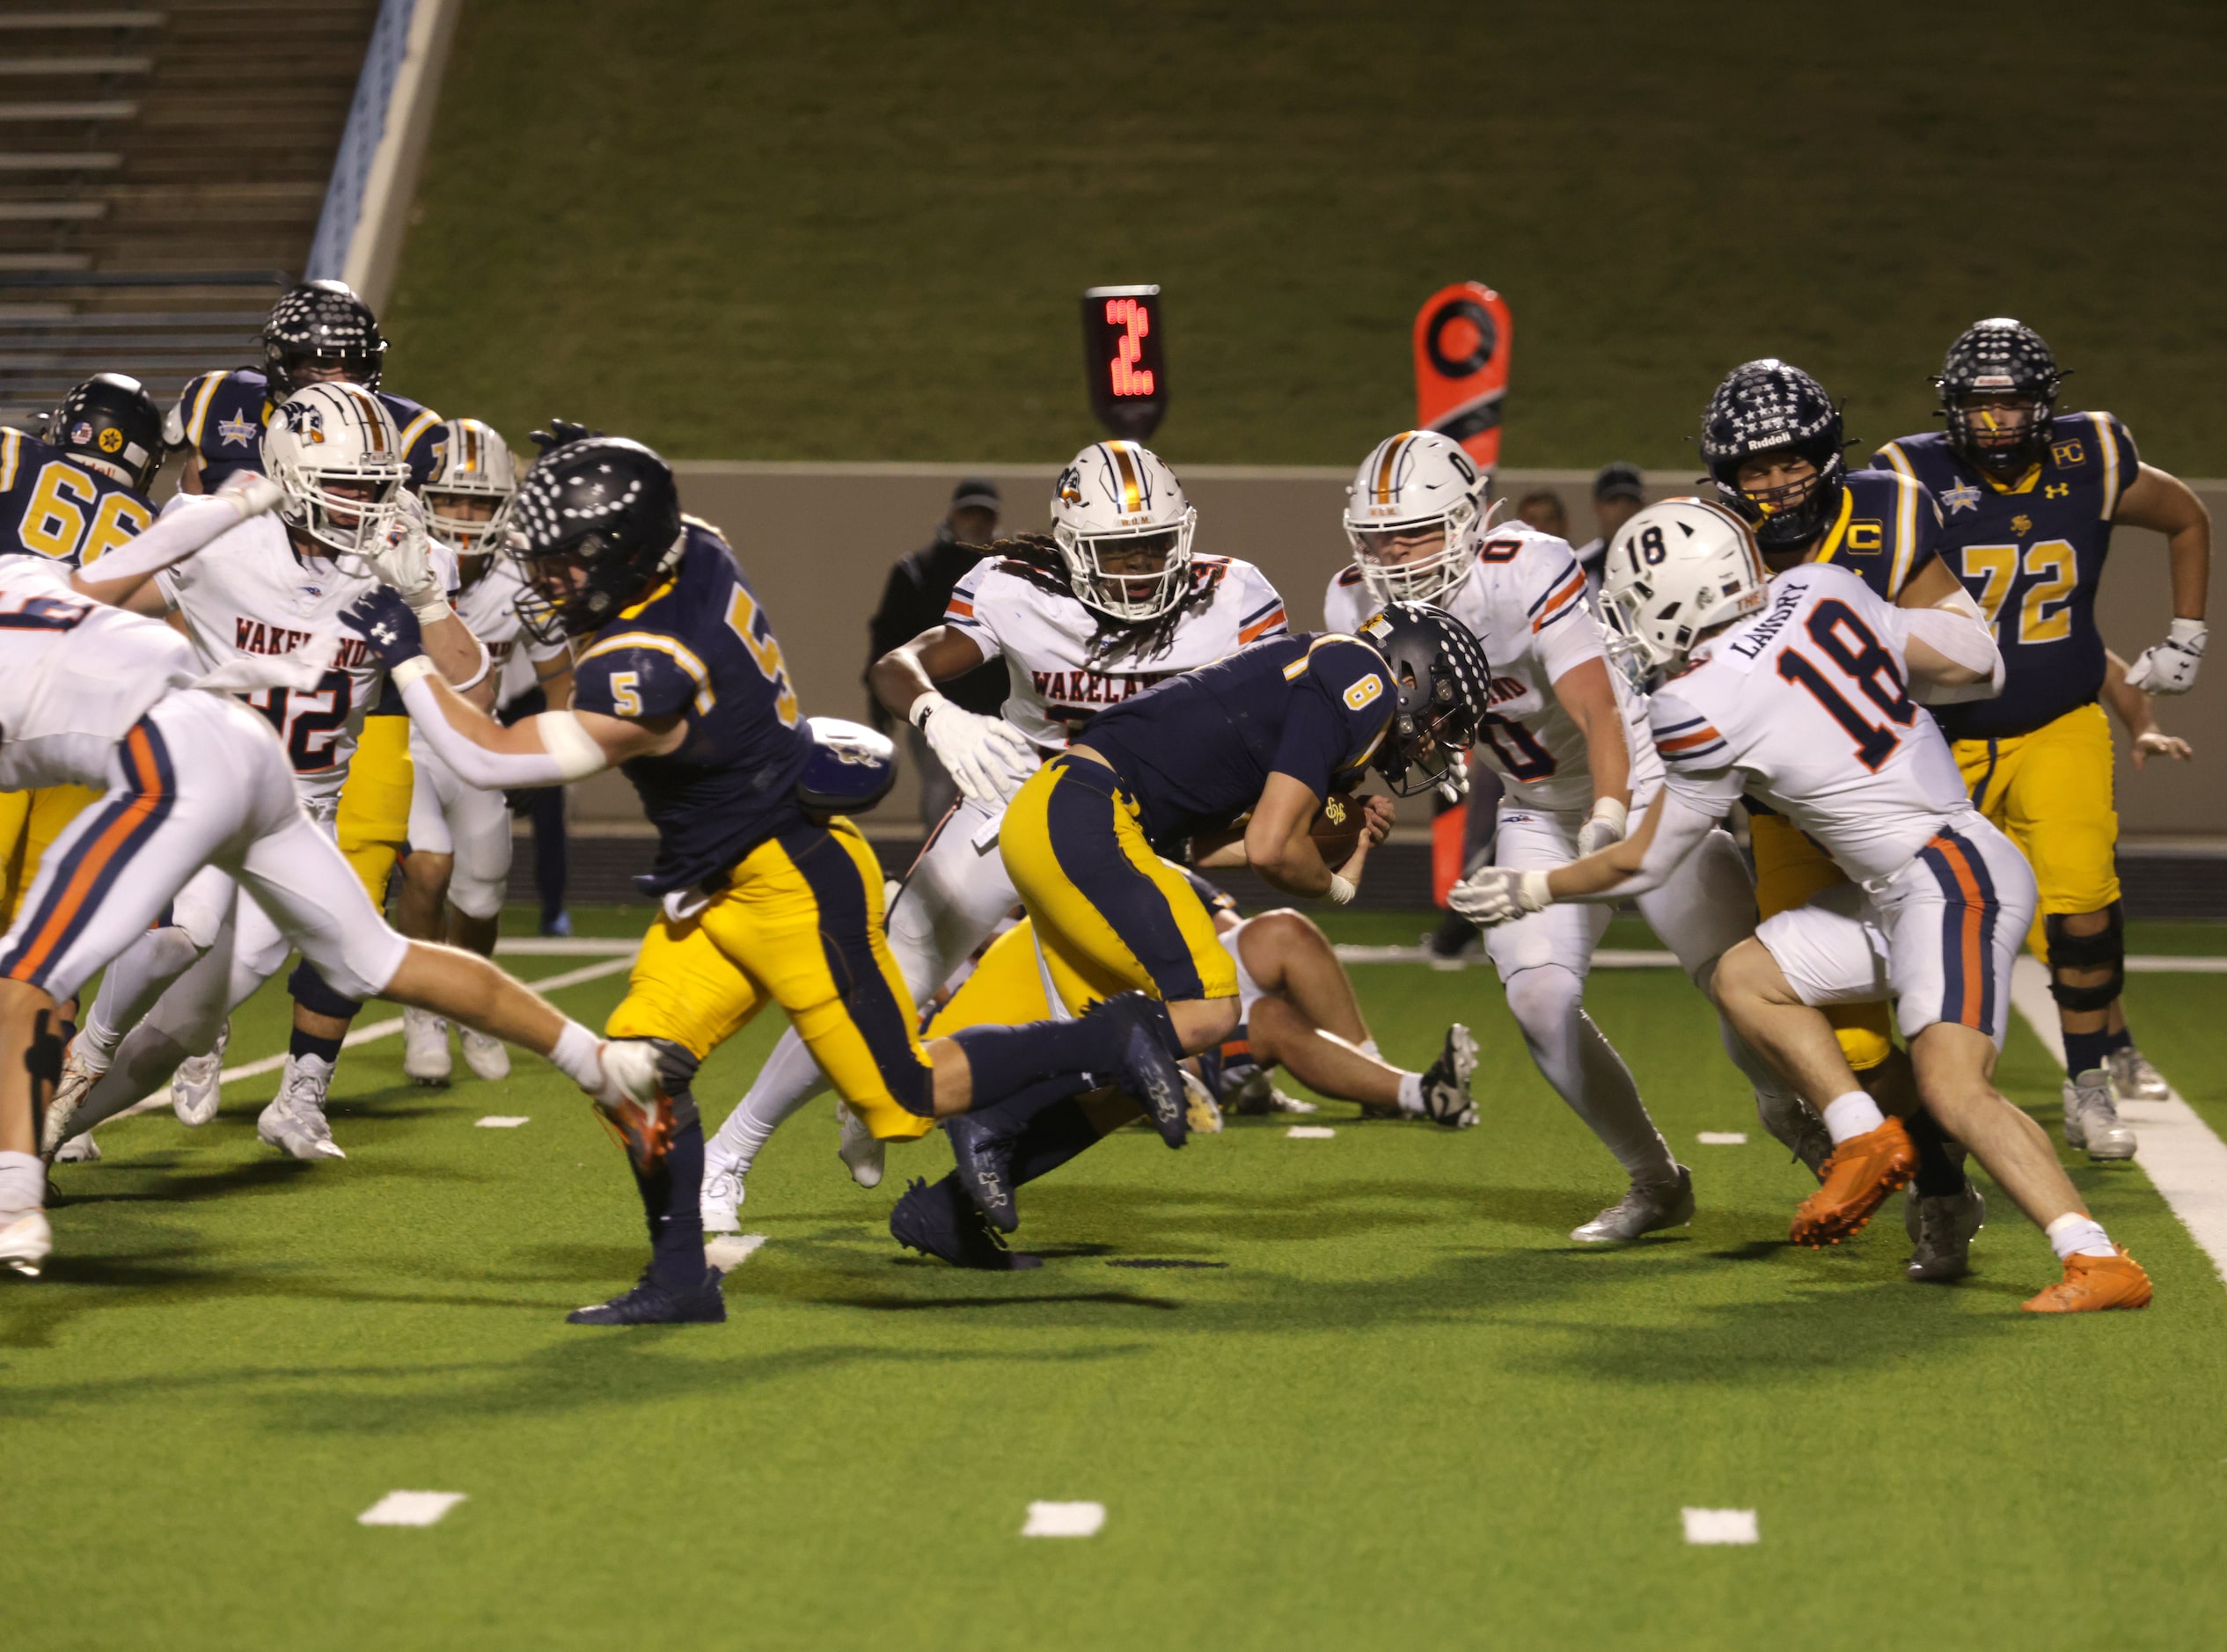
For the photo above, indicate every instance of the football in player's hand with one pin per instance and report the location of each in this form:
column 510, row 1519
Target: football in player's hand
column 1337, row 828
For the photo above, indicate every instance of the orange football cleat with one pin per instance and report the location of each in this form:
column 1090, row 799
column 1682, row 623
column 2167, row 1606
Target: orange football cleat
column 2093, row 1284
column 1857, row 1179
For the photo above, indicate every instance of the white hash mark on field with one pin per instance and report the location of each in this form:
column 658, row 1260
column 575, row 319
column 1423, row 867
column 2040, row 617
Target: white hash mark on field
column 1063, row 1520
column 1723, row 1138
column 1310, row 1132
column 410, row 1509
column 2177, row 1151
column 1719, row 1525
column 730, row 1252
column 501, row 1121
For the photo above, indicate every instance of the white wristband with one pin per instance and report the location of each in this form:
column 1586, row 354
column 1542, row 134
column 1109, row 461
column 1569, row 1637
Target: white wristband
column 917, row 712
column 1615, row 813
column 1342, row 890
column 432, row 609
column 410, row 671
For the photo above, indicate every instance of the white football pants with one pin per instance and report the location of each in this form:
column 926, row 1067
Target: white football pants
column 449, row 817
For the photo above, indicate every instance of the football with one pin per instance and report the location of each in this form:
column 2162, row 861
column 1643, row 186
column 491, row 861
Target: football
column 1337, row 828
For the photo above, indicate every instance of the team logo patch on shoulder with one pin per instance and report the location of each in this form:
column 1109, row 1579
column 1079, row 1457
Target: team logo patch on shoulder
column 1963, row 496
column 1364, row 690
column 235, row 430
column 2065, row 455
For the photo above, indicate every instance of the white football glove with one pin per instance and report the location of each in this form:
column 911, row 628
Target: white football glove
column 403, row 558
column 2170, row 667
column 1604, row 826
column 1500, row 895
column 987, row 756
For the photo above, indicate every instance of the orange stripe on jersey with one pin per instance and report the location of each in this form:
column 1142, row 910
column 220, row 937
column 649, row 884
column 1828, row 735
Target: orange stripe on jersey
column 1269, row 623
column 146, row 776
column 1701, row 736
column 960, row 609
column 1570, row 593
column 1975, row 903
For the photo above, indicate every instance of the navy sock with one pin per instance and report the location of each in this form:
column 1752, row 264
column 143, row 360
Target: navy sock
column 1010, row 1116
column 1940, row 1160
column 327, row 1049
column 2084, row 1052
column 1006, row 1061
column 1056, row 1135
column 670, row 1192
column 2113, row 1042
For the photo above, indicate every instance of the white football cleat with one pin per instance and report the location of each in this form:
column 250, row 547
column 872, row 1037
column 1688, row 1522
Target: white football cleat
column 859, row 1148
column 1644, row 1210
column 2091, row 1119
column 425, row 1047
column 197, row 1088
column 294, row 1121
column 78, row 1076
column 722, row 1198
column 2135, row 1079
column 25, row 1242
column 489, row 1058
column 78, row 1150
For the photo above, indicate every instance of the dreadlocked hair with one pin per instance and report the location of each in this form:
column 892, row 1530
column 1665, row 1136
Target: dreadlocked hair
column 1034, row 558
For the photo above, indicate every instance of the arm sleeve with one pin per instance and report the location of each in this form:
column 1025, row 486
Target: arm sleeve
column 500, row 770
column 1683, row 819
column 189, row 523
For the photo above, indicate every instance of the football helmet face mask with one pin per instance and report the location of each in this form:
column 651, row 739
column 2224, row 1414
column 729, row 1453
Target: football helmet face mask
column 1762, row 407
column 596, row 523
column 1412, row 486
column 1677, row 571
column 1443, row 686
column 321, row 324
column 475, row 473
column 1998, row 389
column 111, row 424
column 1124, row 529
column 335, row 454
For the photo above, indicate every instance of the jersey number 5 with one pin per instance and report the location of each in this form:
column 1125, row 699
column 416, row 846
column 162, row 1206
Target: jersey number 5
column 1848, row 643
column 748, row 621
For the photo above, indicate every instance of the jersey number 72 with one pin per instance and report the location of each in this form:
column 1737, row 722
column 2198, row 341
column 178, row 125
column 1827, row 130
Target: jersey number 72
column 1863, row 663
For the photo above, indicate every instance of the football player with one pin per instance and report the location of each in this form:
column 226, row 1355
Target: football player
column 460, row 854
column 1567, row 739
column 1799, row 690
column 191, row 780
column 1114, row 601
column 266, row 588
column 319, row 332
column 1772, row 440
column 2028, row 498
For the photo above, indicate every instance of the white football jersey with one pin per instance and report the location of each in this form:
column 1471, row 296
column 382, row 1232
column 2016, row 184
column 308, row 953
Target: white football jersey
column 249, row 594
column 1059, row 683
column 1525, row 601
column 489, row 608
column 1805, row 706
column 75, row 675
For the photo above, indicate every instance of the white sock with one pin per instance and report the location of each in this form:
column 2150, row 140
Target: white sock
column 1411, row 1093
column 578, row 1057
column 23, row 1182
column 1855, row 1113
column 2073, row 1234
column 790, row 1077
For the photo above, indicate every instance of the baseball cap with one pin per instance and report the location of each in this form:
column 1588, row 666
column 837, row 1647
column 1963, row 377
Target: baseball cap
column 976, row 493
column 1617, row 480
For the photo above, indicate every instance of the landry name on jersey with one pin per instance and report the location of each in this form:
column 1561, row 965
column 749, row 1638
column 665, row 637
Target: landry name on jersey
column 1196, row 750
column 53, row 507
column 700, row 648
column 220, row 416
column 1805, row 707
column 1524, row 602
column 247, row 594
column 1059, row 680
column 2032, row 555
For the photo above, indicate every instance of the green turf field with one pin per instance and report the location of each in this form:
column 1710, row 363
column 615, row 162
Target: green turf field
column 833, row 229
column 1383, row 1403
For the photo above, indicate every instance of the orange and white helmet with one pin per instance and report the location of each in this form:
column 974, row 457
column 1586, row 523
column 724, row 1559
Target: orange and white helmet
column 1414, row 483
column 335, row 433
column 1678, row 570
column 471, row 460
column 1116, row 497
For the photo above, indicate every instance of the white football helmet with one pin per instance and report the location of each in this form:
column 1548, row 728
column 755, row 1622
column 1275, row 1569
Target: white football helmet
column 1118, row 497
column 327, row 434
column 1411, row 484
column 1678, row 570
column 471, row 461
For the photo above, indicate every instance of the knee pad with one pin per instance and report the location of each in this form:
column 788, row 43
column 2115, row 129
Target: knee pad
column 676, row 1074
column 1546, row 997
column 311, row 990
column 476, row 897
column 2104, row 950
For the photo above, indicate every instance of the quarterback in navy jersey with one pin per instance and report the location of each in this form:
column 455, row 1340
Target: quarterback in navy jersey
column 2028, row 499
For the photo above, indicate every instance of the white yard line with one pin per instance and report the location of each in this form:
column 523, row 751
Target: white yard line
column 1719, row 1525
column 2178, row 1152
column 1063, row 1520
column 410, row 1509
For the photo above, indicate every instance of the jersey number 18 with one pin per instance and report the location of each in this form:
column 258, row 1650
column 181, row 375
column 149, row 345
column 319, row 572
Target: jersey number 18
column 1863, row 662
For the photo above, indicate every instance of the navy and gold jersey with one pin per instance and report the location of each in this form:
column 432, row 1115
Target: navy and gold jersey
column 222, row 415
column 1196, row 750
column 1887, row 531
column 2031, row 554
column 52, row 507
column 698, row 646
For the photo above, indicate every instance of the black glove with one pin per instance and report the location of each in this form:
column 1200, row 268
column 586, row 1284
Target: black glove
column 384, row 621
column 561, row 433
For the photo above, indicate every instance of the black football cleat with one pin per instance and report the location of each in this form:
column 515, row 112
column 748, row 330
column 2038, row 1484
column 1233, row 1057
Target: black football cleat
column 1148, row 1072
column 940, row 1220
column 650, row 1303
column 984, row 1156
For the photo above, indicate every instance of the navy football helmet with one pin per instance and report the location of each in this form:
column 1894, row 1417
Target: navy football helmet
column 1443, row 684
column 1999, row 360
column 111, row 424
column 596, row 523
column 323, row 322
column 1761, row 407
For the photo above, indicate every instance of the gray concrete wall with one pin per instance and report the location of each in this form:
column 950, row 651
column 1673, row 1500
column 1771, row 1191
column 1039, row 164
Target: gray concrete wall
column 817, row 542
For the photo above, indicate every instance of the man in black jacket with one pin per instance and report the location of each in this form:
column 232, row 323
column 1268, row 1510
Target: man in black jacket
column 914, row 602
